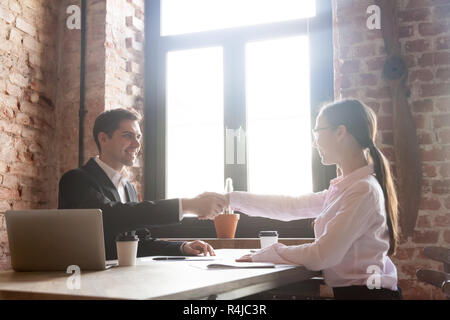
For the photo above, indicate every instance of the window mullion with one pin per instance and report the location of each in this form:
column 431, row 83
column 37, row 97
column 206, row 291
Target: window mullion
column 235, row 110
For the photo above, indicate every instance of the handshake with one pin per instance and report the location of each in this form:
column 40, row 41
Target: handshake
column 208, row 205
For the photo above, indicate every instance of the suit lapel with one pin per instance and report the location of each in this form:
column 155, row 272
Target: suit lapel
column 106, row 183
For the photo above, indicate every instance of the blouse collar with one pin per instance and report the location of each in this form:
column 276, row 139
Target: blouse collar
column 342, row 182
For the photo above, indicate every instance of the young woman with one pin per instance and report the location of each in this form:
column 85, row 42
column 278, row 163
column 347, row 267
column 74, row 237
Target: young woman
column 355, row 219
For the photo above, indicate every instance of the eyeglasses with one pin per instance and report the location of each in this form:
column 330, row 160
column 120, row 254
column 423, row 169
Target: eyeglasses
column 315, row 131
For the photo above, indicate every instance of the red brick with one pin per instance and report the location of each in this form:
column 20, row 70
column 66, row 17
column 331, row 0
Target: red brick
column 421, row 75
column 435, row 89
column 446, row 236
column 345, row 82
column 375, row 106
column 426, row 237
column 422, row 106
column 444, row 136
column 409, row 270
column 404, row 253
column 442, row 220
column 350, row 66
column 384, row 123
column 387, row 106
column 406, row 31
column 443, row 74
column 419, row 45
column 426, row 60
column 425, row 138
column 350, row 93
column 367, row 79
column 429, row 204
column 375, row 64
column 410, row 60
column 419, row 120
column 443, row 104
column 431, row 29
column 444, row 170
column 447, row 203
column 414, row 15
column 442, row 58
column 429, row 170
column 378, row 93
column 366, row 50
column 441, row 121
column 347, row 37
column 441, row 187
column 442, row 43
column 423, row 222
column 412, row 4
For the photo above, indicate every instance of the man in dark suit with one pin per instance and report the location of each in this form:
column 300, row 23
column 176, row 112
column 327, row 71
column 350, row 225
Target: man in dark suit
column 102, row 183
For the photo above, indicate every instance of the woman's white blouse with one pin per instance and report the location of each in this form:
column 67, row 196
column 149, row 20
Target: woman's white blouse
column 351, row 233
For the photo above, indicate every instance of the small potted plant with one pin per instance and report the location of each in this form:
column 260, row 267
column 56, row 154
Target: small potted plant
column 226, row 222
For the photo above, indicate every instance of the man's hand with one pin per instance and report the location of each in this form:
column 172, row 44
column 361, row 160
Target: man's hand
column 206, row 206
column 198, row 247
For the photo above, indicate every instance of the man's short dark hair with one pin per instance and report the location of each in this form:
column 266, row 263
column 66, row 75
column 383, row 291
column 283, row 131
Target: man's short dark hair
column 109, row 121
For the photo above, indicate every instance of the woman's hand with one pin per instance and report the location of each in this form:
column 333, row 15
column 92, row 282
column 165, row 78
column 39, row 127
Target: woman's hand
column 246, row 258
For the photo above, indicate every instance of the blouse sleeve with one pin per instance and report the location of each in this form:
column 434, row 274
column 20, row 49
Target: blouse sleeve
column 329, row 249
column 283, row 208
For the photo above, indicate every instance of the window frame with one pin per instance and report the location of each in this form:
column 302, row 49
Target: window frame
column 233, row 41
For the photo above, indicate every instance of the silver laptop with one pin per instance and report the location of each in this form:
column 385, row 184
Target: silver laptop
column 51, row 240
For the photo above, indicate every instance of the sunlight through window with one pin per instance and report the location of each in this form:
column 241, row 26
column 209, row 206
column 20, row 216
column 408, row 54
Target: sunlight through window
column 188, row 16
column 278, row 116
column 195, row 143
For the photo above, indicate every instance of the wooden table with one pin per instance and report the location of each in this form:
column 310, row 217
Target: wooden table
column 150, row 279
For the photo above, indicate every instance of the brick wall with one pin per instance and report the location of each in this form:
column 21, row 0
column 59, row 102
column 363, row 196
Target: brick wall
column 40, row 92
column 114, row 63
column 125, row 63
column 359, row 57
column 27, row 108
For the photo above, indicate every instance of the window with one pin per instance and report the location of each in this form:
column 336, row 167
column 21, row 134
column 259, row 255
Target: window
column 278, row 116
column 194, row 109
column 232, row 90
column 189, row 16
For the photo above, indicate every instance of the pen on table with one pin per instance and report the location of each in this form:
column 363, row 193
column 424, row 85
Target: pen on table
column 193, row 258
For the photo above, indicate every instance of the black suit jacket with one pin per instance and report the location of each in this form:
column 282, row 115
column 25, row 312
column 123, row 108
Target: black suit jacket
column 89, row 187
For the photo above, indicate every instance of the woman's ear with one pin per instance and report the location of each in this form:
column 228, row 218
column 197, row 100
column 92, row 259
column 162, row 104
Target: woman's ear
column 341, row 132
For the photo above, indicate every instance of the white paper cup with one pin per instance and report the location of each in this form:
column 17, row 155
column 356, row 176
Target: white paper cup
column 268, row 238
column 127, row 252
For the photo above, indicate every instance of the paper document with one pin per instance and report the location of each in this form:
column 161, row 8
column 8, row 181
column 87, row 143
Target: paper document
column 239, row 265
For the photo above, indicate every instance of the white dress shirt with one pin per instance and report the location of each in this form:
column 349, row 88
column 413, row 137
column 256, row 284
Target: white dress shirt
column 351, row 233
column 117, row 179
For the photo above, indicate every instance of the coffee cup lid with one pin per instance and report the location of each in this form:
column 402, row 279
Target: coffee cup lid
column 127, row 236
column 268, row 233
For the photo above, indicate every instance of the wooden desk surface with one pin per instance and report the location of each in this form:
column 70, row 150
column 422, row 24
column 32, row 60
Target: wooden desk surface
column 151, row 279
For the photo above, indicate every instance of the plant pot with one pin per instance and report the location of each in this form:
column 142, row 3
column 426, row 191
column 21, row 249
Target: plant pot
column 226, row 225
